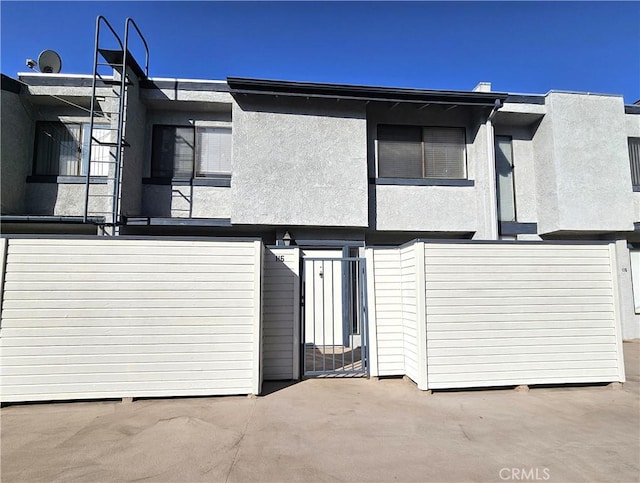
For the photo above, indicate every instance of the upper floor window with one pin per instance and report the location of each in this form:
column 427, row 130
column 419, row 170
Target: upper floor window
column 187, row 152
column 63, row 149
column 634, row 159
column 504, row 177
column 417, row 152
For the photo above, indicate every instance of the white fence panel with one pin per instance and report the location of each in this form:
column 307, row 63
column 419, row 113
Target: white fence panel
column 102, row 318
column 510, row 314
column 409, row 310
column 281, row 313
column 389, row 326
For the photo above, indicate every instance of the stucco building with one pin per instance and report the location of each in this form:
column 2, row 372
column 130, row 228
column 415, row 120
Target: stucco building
column 326, row 171
column 345, row 164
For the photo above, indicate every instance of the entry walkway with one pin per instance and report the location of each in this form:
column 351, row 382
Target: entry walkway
column 335, row 430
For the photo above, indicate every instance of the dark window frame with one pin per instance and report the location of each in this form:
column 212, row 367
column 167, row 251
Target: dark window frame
column 82, row 155
column 426, row 180
column 216, row 179
column 634, row 164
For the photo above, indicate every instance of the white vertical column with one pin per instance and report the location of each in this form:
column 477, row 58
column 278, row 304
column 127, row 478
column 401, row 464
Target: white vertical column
column 372, row 331
column 491, row 181
column 617, row 306
column 258, row 261
column 4, row 242
column 295, row 268
column 421, row 317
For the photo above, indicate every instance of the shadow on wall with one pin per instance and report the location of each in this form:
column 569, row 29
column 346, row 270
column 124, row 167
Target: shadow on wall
column 167, row 201
column 42, row 198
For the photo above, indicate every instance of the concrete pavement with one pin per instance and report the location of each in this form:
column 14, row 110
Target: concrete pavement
column 336, row 430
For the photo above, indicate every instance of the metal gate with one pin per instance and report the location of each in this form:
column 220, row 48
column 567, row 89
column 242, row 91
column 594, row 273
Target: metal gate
column 334, row 322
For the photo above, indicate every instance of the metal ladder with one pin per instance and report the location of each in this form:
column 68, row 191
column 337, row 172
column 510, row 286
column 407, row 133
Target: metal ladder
column 113, row 71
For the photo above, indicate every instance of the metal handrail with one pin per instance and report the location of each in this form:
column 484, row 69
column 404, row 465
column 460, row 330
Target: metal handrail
column 99, row 19
column 128, row 21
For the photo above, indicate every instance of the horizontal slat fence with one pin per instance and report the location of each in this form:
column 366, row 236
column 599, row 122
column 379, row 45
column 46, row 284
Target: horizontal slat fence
column 109, row 318
column 501, row 314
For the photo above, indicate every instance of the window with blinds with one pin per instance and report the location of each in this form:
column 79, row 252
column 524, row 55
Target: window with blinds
column 213, row 151
column 634, row 160
column 63, row 149
column 172, row 152
column 185, row 152
column 421, row 152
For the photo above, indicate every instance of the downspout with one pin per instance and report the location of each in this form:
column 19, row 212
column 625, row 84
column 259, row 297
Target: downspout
column 491, row 157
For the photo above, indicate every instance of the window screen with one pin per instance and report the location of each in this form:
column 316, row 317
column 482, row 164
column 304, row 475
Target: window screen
column 58, row 149
column 634, row 159
column 444, row 152
column 101, row 157
column 172, row 152
column 213, row 151
column 421, row 152
column 399, row 152
column 504, row 175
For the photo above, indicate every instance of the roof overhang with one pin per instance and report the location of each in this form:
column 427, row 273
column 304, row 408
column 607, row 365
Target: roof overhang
column 248, row 86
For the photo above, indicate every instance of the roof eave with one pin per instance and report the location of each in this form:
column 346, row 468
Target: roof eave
column 239, row 85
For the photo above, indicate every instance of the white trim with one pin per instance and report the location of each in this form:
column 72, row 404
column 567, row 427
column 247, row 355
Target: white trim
column 257, row 317
column 371, row 316
column 421, row 316
column 173, row 79
column 296, row 315
column 617, row 307
column 4, row 242
column 491, row 182
column 59, row 75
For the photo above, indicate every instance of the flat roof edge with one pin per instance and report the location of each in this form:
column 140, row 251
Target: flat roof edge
column 243, row 85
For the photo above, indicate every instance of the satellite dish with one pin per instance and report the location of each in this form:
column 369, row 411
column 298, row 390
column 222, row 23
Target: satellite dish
column 49, row 62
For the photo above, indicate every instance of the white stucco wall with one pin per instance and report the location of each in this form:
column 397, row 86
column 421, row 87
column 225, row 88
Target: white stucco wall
column 304, row 164
column 523, row 171
column 133, row 162
column 433, row 208
column 186, row 201
column 632, row 123
column 582, row 165
column 179, row 200
column 17, row 143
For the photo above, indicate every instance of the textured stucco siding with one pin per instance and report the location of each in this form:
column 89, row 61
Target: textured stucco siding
column 523, row 171
column 133, row 162
column 186, row 201
column 66, row 199
column 632, row 123
column 299, row 166
column 545, row 176
column 17, row 143
column 582, row 155
column 430, row 208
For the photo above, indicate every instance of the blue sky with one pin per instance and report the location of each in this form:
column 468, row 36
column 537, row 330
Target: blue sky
column 518, row 46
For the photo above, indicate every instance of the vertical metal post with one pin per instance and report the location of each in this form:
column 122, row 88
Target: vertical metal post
column 313, row 313
column 364, row 319
column 303, row 318
column 324, row 359
column 333, row 319
column 91, row 117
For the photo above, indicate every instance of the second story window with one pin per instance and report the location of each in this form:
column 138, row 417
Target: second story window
column 416, row 152
column 634, row 159
column 63, row 149
column 187, row 152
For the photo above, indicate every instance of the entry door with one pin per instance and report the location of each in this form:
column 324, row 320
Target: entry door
column 334, row 318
